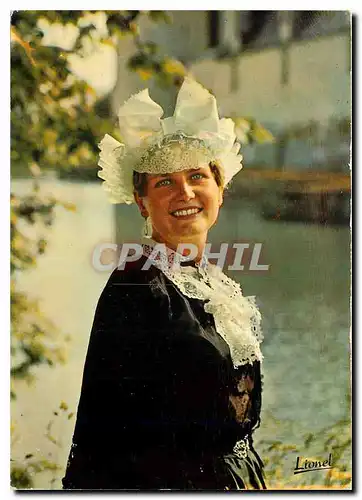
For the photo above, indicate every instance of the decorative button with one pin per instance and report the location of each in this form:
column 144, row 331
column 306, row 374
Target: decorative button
column 241, row 448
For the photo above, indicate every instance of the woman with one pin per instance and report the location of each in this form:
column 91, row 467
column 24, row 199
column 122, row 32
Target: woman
column 171, row 389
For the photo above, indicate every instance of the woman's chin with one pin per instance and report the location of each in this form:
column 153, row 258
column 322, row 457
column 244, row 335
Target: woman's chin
column 190, row 228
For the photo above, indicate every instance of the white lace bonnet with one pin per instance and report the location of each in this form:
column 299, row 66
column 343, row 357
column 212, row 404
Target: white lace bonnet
column 148, row 140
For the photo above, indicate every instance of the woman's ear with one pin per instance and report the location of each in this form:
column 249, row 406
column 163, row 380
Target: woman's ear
column 221, row 197
column 141, row 204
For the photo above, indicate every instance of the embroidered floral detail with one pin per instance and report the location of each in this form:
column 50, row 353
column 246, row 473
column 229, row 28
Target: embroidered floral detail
column 241, row 448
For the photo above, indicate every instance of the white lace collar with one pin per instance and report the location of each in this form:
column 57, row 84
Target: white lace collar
column 237, row 318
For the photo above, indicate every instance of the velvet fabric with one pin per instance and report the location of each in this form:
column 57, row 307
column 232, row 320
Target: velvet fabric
column 161, row 405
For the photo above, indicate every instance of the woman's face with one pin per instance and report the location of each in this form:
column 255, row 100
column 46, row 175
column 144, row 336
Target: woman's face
column 182, row 205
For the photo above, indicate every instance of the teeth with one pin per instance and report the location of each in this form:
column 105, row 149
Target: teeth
column 189, row 211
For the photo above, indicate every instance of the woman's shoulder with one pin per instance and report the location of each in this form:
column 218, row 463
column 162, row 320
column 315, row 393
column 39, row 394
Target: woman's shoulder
column 136, row 282
column 130, row 295
column 133, row 272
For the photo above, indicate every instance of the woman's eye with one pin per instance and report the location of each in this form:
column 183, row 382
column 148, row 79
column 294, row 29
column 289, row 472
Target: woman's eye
column 197, row 176
column 164, row 182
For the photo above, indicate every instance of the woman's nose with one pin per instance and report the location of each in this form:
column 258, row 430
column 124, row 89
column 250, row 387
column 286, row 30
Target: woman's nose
column 186, row 191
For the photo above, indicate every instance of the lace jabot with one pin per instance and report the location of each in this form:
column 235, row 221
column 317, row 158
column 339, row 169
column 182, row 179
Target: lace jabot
column 237, row 318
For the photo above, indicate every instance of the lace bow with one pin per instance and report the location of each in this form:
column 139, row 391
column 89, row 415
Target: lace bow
column 142, row 129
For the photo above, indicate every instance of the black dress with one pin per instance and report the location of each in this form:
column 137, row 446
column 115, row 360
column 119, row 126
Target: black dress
column 161, row 404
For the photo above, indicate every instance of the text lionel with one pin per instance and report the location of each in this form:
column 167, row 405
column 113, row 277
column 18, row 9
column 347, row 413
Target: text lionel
column 310, row 465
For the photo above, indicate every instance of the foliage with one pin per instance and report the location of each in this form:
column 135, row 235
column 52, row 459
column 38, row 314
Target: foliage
column 34, row 337
column 23, row 469
column 249, row 131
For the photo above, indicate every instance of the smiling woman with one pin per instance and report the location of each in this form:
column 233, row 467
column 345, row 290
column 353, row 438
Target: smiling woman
column 171, row 390
column 182, row 206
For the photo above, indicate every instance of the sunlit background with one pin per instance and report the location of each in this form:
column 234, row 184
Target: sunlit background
column 285, row 78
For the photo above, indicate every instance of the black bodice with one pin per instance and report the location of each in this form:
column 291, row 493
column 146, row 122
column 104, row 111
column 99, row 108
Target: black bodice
column 159, row 390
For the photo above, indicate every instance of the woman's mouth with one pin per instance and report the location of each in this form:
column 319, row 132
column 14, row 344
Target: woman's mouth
column 186, row 213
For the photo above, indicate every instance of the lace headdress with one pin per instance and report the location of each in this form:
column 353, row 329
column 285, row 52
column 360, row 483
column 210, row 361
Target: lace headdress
column 192, row 136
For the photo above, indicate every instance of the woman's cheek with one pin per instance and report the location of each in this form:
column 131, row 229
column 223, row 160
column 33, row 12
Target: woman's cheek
column 216, row 215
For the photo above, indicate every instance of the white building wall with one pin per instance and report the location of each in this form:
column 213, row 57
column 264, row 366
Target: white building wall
column 127, row 82
column 250, row 84
column 318, row 86
column 185, row 38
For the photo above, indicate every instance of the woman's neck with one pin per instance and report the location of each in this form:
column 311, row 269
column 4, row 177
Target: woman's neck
column 193, row 246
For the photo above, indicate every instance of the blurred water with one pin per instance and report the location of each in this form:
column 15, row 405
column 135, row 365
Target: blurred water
column 304, row 299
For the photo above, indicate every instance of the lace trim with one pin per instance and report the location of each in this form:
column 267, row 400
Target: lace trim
column 237, row 318
column 174, row 153
column 118, row 182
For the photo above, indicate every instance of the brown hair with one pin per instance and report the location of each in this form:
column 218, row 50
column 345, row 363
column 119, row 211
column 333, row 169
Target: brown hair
column 140, row 179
